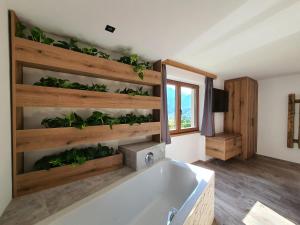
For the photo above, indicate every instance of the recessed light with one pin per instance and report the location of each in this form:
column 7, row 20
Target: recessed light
column 110, row 29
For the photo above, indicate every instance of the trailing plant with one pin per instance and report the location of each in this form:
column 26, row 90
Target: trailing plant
column 138, row 66
column 131, row 119
column 96, row 119
column 73, row 157
column 37, row 34
column 72, row 45
column 20, row 28
column 63, row 83
column 100, row 118
column 130, row 91
column 69, row 120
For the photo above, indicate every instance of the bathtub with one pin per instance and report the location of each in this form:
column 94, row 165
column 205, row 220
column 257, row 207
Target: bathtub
column 146, row 198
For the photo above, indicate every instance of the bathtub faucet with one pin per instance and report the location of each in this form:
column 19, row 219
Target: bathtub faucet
column 149, row 159
column 171, row 214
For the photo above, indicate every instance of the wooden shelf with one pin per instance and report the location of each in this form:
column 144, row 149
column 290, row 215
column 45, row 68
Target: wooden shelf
column 45, row 138
column 42, row 56
column 43, row 179
column 37, row 96
column 37, row 55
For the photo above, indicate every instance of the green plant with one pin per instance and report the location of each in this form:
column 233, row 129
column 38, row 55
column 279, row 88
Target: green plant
column 138, row 67
column 72, row 45
column 131, row 119
column 130, row 91
column 73, row 157
column 38, row 35
column 69, row 120
column 63, row 83
column 97, row 118
column 20, row 28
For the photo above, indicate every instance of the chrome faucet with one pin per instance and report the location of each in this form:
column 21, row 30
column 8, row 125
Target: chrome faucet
column 149, row 159
column 172, row 212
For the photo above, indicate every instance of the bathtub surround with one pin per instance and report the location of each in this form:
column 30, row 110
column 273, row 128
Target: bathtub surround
column 146, row 197
column 5, row 132
column 30, row 209
column 135, row 154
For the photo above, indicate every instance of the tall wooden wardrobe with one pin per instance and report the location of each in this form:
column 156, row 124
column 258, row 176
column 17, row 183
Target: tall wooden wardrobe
column 241, row 117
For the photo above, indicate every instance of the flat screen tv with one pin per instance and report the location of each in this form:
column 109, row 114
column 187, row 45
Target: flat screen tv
column 220, row 100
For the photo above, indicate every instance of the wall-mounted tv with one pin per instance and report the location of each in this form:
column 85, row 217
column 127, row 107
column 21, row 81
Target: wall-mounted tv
column 220, row 100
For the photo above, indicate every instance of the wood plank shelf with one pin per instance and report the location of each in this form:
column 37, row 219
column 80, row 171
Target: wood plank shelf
column 37, row 96
column 45, row 138
column 42, row 56
column 43, row 179
column 27, row 53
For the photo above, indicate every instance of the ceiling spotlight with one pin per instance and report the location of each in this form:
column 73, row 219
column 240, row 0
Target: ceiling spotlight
column 110, row 29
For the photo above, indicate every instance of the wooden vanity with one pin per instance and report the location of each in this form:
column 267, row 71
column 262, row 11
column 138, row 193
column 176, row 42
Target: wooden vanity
column 224, row 146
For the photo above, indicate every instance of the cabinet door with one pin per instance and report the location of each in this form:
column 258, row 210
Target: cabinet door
column 232, row 118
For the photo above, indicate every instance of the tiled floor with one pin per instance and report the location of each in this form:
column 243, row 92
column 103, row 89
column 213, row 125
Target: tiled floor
column 29, row 209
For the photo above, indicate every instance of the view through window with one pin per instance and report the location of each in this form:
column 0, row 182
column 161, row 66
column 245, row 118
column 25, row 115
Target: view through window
column 183, row 107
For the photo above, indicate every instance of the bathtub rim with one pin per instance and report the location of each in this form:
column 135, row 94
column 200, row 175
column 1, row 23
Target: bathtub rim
column 183, row 211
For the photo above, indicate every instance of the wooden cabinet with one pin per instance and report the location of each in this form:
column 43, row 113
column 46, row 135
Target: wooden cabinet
column 224, row 146
column 241, row 117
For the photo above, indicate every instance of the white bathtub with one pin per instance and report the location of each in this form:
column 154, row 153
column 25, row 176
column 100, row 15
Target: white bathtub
column 145, row 198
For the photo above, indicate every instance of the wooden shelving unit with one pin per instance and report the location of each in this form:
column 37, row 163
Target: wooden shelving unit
column 26, row 53
column 29, row 96
column 38, row 139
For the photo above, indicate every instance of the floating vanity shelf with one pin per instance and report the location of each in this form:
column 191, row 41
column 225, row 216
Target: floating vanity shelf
column 43, row 179
column 37, row 139
column 27, row 53
column 29, row 95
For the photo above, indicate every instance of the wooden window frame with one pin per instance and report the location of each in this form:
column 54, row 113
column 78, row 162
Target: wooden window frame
column 178, row 85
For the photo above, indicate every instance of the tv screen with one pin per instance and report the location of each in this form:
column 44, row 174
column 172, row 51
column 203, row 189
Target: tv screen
column 220, row 100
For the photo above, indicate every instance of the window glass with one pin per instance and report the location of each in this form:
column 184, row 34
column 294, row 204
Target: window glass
column 171, row 97
column 188, row 107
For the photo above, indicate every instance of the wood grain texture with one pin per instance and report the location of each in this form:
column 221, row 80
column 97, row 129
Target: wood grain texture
column 42, row 56
column 203, row 211
column 241, row 117
column 240, row 184
column 291, row 121
column 188, row 68
column 43, row 179
column 38, row 139
column 36, row 96
column 223, row 146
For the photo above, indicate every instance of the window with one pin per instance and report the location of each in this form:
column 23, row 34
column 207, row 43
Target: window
column 183, row 107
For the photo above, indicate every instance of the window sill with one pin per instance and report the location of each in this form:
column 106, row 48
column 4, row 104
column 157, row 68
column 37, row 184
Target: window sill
column 184, row 133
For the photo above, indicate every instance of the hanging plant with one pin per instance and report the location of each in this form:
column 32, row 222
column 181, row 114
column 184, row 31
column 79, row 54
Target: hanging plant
column 69, row 120
column 138, row 67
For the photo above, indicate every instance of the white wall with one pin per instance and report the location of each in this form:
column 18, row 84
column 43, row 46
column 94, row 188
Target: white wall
column 5, row 137
column 191, row 147
column 272, row 117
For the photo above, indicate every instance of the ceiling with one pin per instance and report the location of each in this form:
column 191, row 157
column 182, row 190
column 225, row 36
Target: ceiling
column 231, row 38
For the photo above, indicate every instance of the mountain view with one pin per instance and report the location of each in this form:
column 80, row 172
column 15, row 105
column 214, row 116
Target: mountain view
column 186, row 107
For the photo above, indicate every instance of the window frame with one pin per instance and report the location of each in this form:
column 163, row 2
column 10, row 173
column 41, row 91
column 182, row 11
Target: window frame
column 178, row 85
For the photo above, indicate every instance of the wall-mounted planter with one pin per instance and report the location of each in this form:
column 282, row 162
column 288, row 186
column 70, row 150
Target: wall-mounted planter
column 43, row 179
